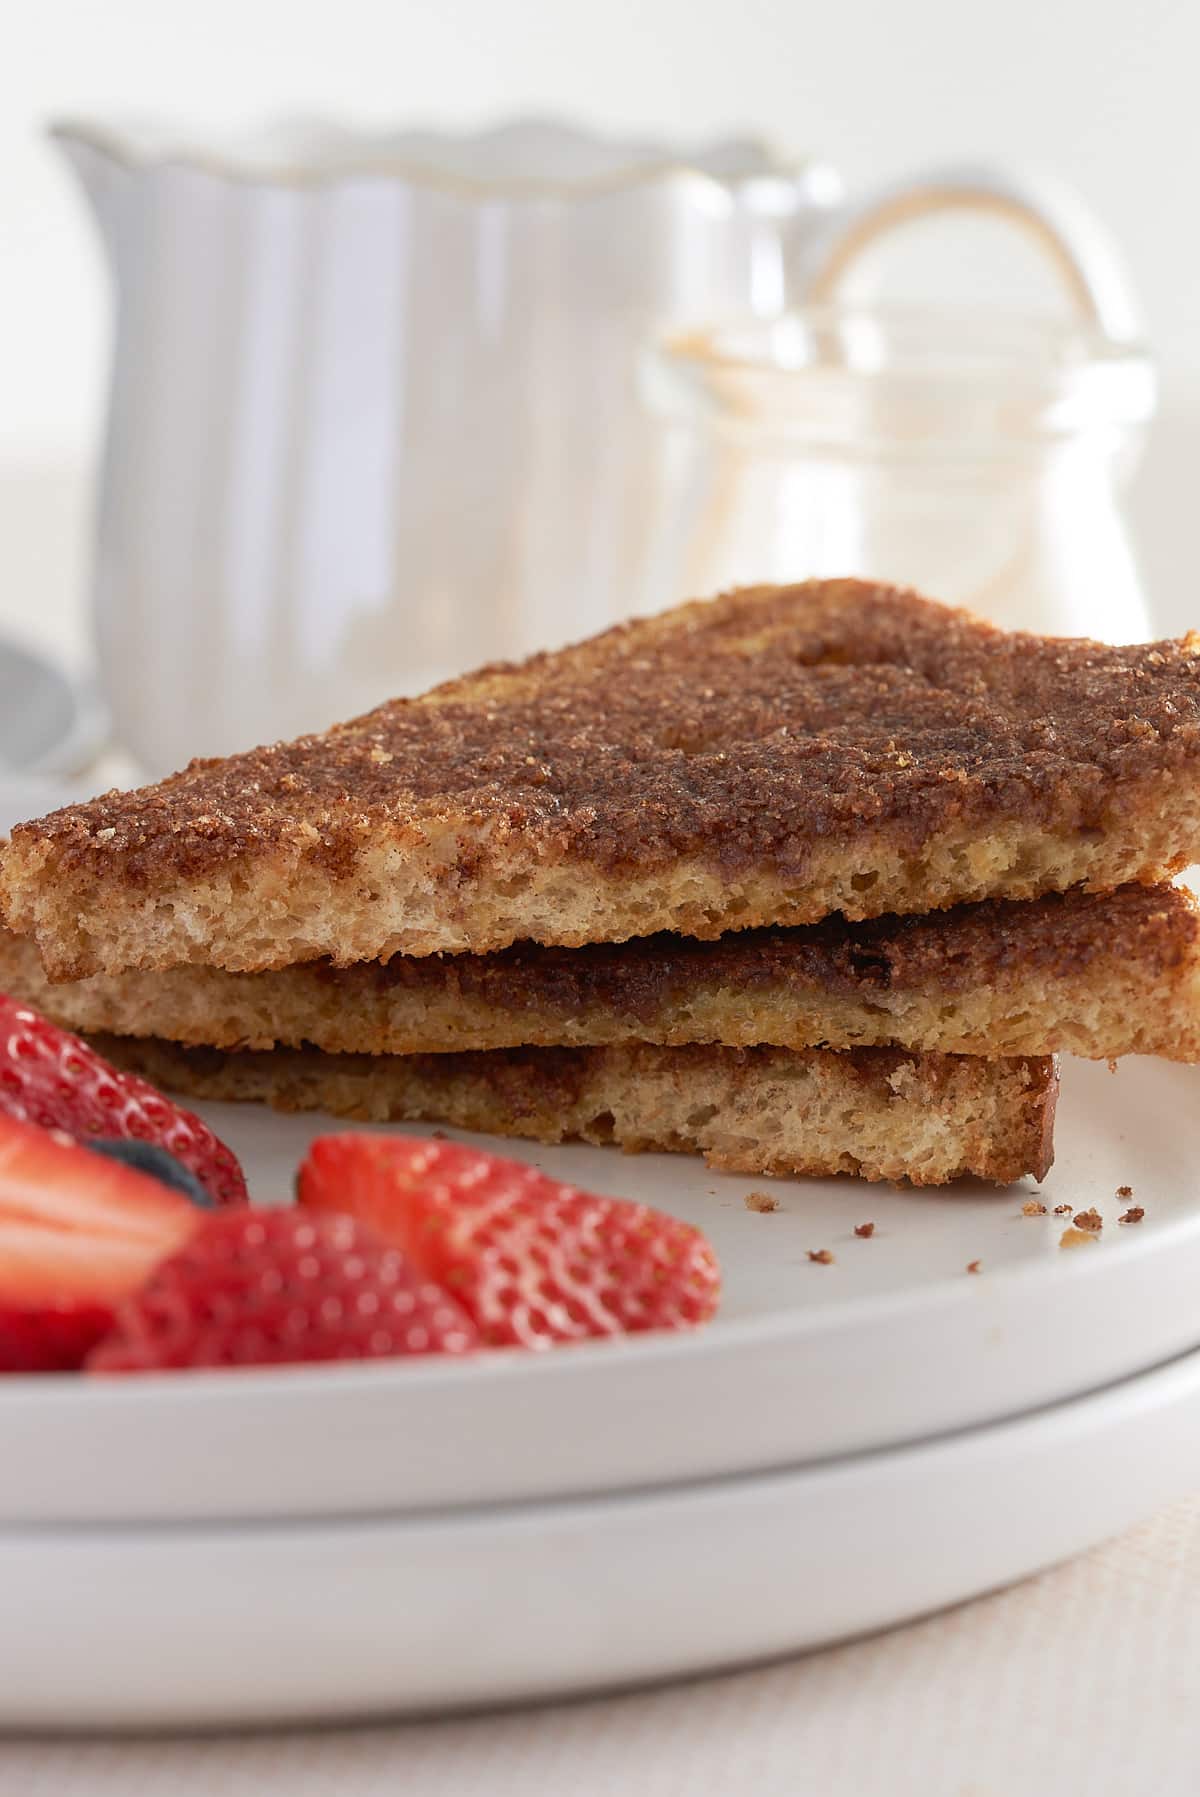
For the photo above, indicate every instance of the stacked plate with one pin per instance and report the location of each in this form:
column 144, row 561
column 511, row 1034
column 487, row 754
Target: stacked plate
column 852, row 1443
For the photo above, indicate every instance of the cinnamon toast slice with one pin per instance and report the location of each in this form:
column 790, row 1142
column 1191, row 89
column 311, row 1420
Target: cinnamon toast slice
column 876, row 1112
column 764, row 758
column 1093, row 974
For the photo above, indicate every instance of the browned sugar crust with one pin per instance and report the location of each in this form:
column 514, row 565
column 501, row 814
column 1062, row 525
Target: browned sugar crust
column 1097, row 974
column 874, row 1112
column 764, row 758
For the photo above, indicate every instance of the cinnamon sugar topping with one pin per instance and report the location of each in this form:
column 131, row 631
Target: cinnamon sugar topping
column 901, row 714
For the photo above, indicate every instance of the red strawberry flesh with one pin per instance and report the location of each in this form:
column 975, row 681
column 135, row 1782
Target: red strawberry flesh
column 257, row 1288
column 533, row 1261
column 77, row 1234
column 50, row 1077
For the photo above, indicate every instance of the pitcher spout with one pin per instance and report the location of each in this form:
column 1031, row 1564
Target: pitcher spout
column 103, row 169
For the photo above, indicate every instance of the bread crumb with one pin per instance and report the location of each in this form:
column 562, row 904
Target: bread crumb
column 1061, row 1210
column 1134, row 1214
column 1088, row 1219
column 1124, row 1191
column 864, row 1230
column 822, row 1256
column 1112, row 1066
column 1032, row 1207
column 1074, row 1238
column 974, row 1266
column 761, row 1201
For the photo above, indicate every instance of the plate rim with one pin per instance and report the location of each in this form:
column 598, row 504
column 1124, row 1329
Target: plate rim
column 1082, row 1412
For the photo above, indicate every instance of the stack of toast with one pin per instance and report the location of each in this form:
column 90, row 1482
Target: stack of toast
column 811, row 880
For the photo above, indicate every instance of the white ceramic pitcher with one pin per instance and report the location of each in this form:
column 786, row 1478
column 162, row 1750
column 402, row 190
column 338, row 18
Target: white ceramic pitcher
column 374, row 412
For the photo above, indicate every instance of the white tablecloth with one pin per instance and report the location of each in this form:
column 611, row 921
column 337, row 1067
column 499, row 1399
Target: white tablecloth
column 1081, row 1681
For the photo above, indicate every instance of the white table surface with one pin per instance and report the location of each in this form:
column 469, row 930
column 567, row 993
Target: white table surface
column 1080, row 1681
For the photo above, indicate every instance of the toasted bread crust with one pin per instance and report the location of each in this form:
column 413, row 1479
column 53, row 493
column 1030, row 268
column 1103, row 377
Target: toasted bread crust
column 765, row 758
column 878, row 1113
column 1100, row 975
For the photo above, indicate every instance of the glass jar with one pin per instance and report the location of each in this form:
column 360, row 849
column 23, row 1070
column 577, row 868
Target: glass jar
column 978, row 457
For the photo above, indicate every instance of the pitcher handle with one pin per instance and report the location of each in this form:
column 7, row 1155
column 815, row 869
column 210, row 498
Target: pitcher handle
column 1065, row 228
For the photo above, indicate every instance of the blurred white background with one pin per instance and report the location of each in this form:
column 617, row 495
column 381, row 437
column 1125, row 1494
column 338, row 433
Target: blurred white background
column 1097, row 91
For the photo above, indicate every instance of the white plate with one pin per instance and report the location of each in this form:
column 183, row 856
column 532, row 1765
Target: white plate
column 181, row 1626
column 894, row 1342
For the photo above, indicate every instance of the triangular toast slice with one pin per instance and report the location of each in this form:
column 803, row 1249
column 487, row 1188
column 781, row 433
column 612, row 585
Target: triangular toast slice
column 1099, row 974
column 877, row 1112
column 765, row 758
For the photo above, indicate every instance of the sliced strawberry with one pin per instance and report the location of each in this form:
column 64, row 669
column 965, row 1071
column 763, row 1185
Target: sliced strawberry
column 255, row 1288
column 77, row 1234
column 532, row 1261
column 50, row 1077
